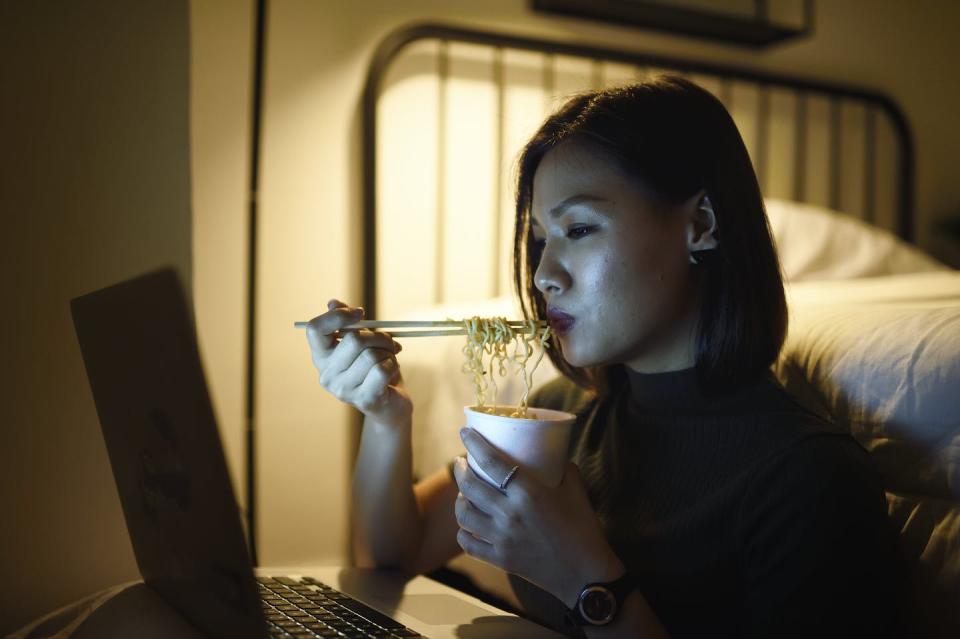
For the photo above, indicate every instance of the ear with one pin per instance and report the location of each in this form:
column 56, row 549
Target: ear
column 702, row 232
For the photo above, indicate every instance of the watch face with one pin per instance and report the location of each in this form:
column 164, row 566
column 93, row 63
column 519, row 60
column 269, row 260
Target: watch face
column 598, row 605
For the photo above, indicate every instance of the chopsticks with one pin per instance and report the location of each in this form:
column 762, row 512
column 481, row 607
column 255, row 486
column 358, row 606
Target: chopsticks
column 450, row 327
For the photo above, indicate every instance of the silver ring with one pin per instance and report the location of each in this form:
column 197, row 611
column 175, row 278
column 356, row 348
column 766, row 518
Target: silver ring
column 506, row 480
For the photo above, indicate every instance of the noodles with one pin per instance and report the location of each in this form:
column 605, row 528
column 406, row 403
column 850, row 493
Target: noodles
column 493, row 337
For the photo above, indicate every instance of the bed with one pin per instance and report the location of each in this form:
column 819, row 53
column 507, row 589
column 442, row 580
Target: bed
column 874, row 338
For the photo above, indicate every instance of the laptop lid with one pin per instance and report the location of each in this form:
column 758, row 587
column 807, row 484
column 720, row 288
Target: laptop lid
column 140, row 350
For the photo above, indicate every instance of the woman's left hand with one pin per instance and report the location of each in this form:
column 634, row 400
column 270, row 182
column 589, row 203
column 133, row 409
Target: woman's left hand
column 549, row 536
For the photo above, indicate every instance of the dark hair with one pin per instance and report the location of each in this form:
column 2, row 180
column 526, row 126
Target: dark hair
column 676, row 139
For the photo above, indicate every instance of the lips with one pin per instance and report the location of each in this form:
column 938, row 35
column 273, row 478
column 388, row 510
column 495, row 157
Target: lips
column 560, row 322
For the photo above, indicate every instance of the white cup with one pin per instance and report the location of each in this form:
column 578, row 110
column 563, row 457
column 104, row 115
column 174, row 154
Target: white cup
column 538, row 443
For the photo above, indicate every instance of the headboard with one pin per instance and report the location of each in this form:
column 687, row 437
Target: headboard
column 446, row 110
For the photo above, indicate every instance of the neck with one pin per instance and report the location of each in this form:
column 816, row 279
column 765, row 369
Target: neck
column 674, row 350
column 665, row 391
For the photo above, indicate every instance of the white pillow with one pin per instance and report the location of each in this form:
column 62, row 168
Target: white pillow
column 816, row 243
column 882, row 357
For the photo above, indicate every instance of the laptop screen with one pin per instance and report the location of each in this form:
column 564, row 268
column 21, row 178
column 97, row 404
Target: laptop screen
column 140, row 350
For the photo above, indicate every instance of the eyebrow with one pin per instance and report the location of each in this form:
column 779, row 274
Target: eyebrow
column 573, row 200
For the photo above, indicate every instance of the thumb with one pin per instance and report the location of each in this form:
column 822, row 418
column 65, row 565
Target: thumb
column 571, row 476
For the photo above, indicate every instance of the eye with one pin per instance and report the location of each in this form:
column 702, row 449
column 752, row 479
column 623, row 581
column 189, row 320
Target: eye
column 582, row 230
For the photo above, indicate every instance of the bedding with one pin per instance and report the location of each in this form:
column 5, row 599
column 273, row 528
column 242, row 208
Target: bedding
column 817, row 243
column 881, row 356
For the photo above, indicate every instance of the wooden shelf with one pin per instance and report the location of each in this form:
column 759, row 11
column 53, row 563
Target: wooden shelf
column 753, row 31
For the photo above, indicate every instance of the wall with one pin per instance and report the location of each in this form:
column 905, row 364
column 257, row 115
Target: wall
column 96, row 188
column 309, row 245
column 221, row 36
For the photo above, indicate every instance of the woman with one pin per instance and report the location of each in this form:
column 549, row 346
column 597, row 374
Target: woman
column 700, row 500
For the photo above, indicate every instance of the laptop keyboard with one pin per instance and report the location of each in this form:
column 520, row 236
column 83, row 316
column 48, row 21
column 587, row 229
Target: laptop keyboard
column 309, row 608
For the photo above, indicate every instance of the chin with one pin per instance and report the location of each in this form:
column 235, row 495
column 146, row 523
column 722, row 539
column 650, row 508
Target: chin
column 582, row 358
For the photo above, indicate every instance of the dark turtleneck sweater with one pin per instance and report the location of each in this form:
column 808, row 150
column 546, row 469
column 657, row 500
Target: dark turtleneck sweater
column 739, row 515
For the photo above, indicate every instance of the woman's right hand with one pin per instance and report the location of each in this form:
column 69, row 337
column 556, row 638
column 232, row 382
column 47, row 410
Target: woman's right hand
column 358, row 367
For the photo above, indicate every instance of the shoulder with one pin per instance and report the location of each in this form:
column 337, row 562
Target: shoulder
column 766, row 396
column 820, row 490
column 779, row 429
column 818, row 555
column 761, row 428
column 821, row 463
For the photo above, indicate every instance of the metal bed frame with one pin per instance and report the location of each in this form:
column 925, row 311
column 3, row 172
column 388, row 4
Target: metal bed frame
column 397, row 41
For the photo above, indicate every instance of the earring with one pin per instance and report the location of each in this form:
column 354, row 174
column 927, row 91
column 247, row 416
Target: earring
column 703, row 257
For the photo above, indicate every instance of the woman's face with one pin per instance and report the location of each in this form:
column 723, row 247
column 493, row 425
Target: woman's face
column 614, row 270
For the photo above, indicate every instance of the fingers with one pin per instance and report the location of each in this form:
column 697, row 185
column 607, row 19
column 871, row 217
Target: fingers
column 322, row 330
column 489, row 458
column 477, row 491
column 477, row 527
column 375, row 387
column 356, row 353
column 371, row 365
column 356, row 365
column 472, row 519
column 476, row 547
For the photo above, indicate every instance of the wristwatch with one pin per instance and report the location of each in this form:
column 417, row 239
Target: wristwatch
column 599, row 603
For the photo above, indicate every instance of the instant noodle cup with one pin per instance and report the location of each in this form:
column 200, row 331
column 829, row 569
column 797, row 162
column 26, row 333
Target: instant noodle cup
column 537, row 443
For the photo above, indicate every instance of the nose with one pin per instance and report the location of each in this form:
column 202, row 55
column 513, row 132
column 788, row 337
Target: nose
column 550, row 276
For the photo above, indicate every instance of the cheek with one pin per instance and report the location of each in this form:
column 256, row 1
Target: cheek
column 628, row 277
column 613, row 284
column 620, row 291
column 639, row 286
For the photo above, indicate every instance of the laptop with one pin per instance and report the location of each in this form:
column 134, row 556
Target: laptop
column 140, row 350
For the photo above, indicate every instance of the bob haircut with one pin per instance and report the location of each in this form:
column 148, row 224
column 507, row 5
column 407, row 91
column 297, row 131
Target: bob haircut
column 675, row 139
